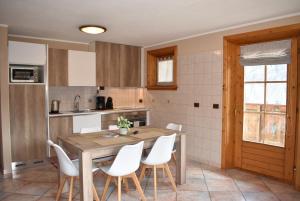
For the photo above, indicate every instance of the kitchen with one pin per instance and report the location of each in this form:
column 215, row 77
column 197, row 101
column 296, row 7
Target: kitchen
column 54, row 85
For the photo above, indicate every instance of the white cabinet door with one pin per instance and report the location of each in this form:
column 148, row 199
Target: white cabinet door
column 81, row 68
column 86, row 121
column 27, row 53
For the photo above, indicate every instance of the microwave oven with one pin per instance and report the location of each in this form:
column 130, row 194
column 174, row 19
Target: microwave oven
column 24, row 74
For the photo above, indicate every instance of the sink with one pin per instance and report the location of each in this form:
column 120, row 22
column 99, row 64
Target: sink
column 80, row 111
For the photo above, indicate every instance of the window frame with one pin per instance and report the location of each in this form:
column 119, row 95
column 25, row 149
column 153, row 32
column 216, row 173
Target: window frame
column 152, row 68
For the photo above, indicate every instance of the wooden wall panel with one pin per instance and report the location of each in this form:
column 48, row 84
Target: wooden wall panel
column 27, row 121
column 57, row 67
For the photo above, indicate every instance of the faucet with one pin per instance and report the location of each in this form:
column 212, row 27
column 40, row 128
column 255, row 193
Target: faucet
column 76, row 103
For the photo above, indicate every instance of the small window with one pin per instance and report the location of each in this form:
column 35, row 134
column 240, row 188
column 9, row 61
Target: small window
column 165, row 70
column 161, row 69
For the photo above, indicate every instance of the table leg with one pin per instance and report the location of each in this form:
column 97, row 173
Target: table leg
column 86, row 176
column 181, row 160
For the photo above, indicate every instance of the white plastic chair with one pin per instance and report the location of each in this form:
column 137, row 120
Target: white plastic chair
column 70, row 169
column 159, row 157
column 175, row 127
column 90, row 130
column 113, row 127
column 124, row 166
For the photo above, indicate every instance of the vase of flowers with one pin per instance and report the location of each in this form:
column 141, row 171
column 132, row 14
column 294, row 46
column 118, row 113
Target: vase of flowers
column 123, row 125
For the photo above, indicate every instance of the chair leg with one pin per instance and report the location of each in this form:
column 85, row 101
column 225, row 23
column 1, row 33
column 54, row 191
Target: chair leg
column 155, row 182
column 61, row 186
column 138, row 186
column 125, row 181
column 103, row 196
column 142, row 175
column 96, row 197
column 71, row 188
column 170, row 177
column 119, row 188
column 174, row 157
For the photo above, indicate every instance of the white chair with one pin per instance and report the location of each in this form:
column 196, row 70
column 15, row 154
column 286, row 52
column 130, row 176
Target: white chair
column 90, row 130
column 113, row 127
column 159, row 157
column 175, row 127
column 124, row 166
column 70, row 170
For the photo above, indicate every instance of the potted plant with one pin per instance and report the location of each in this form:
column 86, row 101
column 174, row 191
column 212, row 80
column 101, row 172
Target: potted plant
column 123, row 124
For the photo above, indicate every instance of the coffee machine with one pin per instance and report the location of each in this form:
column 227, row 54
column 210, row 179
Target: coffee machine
column 100, row 102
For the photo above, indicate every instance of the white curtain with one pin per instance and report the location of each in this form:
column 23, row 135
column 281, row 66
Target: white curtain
column 276, row 52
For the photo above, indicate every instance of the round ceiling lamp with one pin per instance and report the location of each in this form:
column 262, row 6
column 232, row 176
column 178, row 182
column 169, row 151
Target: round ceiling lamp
column 92, row 29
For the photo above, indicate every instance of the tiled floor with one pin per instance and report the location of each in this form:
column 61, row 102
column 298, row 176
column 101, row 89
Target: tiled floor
column 203, row 183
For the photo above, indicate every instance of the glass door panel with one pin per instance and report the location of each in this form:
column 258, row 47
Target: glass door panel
column 265, row 97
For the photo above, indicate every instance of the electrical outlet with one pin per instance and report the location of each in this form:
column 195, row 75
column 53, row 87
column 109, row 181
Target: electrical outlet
column 215, row 106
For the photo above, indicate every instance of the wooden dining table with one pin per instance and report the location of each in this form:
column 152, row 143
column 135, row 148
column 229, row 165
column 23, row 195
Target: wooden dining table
column 107, row 143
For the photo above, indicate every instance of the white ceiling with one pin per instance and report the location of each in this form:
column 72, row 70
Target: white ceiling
column 135, row 22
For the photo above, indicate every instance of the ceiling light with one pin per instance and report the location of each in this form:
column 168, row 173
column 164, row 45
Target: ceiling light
column 92, row 29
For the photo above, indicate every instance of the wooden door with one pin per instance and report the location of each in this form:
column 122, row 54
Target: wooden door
column 58, row 67
column 265, row 119
column 130, row 61
column 27, row 122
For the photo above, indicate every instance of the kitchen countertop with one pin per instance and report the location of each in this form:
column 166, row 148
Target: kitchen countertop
column 92, row 111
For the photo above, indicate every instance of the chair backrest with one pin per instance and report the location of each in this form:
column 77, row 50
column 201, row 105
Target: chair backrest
column 162, row 150
column 113, row 127
column 173, row 126
column 127, row 160
column 65, row 163
column 90, row 130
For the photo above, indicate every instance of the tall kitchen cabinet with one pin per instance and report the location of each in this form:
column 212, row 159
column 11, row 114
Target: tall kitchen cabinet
column 118, row 65
column 71, row 68
column 27, row 122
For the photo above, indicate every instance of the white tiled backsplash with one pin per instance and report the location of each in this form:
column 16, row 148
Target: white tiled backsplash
column 199, row 80
column 122, row 97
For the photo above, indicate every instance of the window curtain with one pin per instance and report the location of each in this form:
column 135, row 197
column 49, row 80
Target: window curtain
column 268, row 53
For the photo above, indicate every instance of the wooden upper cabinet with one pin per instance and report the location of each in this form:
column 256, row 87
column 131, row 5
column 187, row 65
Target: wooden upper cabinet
column 130, row 71
column 117, row 65
column 27, row 122
column 58, row 67
column 81, row 68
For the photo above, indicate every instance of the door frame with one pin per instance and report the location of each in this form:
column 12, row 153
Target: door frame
column 232, row 84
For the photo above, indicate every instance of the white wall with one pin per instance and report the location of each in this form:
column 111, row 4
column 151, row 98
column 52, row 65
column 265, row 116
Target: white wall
column 199, row 80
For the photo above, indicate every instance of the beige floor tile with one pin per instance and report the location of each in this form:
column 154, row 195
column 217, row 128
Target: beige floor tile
column 20, row 197
column 10, row 185
column 226, row 196
column 278, row 187
column 36, row 188
column 251, row 185
column 215, row 174
column 289, row 196
column 193, row 185
column 162, row 195
column 221, row 185
column 260, row 196
column 242, row 175
column 192, row 196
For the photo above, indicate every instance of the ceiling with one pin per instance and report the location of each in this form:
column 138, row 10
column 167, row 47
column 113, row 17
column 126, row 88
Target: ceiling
column 135, row 22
